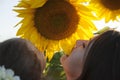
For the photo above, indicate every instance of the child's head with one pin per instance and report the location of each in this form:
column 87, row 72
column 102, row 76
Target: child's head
column 21, row 56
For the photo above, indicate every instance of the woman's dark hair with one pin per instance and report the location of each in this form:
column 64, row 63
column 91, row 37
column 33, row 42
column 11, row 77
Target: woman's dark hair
column 21, row 56
column 103, row 58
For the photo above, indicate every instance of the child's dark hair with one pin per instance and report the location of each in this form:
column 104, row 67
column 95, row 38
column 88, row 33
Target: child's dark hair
column 21, row 56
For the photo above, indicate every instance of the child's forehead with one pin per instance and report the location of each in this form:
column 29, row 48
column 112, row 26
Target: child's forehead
column 31, row 46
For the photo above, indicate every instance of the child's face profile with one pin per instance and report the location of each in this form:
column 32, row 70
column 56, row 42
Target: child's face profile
column 39, row 54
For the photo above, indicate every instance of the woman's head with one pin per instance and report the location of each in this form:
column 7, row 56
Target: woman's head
column 21, row 56
column 103, row 57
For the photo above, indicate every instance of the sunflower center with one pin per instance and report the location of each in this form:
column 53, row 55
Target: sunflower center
column 56, row 20
column 111, row 4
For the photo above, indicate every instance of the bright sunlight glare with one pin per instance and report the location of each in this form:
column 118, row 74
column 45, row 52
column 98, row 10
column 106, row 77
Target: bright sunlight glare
column 112, row 24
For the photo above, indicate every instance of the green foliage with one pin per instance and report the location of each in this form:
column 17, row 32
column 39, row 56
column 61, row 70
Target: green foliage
column 54, row 69
column 102, row 30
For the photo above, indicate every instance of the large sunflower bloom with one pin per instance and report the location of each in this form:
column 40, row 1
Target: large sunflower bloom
column 54, row 25
column 108, row 9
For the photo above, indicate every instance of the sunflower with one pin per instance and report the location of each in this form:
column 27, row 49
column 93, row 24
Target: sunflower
column 108, row 9
column 54, row 25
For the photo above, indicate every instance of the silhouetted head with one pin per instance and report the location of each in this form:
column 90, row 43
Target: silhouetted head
column 21, row 56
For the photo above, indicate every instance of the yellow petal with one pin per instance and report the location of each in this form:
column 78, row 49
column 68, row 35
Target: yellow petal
column 38, row 3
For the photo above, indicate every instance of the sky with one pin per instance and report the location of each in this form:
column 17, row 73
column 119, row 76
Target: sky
column 8, row 20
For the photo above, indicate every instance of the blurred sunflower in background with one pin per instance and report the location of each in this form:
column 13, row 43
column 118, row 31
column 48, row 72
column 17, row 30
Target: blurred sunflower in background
column 54, row 25
column 108, row 9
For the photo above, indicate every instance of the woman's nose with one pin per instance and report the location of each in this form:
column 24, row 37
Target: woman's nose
column 82, row 43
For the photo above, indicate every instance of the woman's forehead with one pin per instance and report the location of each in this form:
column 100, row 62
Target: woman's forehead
column 81, row 43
